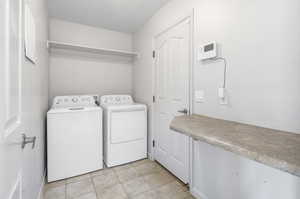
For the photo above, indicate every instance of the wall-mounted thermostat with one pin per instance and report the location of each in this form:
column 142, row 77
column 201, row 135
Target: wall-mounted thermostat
column 208, row 51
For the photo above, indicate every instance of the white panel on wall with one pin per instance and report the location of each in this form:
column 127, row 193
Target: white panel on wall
column 162, row 71
column 12, row 82
column 30, row 48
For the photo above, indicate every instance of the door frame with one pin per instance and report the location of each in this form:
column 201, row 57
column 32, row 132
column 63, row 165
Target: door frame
column 153, row 134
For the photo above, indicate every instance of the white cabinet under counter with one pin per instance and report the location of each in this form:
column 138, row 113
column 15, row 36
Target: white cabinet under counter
column 220, row 174
column 229, row 160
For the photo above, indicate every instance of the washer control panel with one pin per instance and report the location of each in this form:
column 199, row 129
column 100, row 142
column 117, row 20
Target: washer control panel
column 116, row 99
column 75, row 101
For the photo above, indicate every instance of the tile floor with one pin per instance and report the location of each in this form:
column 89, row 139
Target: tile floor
column 143, row 179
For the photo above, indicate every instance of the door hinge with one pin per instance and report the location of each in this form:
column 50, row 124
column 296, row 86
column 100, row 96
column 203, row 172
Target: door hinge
column 153, row 99
column 153, row 53
column 153, row 143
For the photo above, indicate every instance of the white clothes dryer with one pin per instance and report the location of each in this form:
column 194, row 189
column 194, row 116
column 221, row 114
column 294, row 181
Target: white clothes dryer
column 125, row 129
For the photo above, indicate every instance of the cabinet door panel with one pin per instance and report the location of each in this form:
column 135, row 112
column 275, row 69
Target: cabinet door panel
column 219, row 174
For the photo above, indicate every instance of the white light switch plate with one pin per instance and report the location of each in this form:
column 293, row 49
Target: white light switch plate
column 199, row 96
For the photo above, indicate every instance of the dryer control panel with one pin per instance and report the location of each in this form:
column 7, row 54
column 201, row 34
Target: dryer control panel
column 74, row 101
column 116, row 99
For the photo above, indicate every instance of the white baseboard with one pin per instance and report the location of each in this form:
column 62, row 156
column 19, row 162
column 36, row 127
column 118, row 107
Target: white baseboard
column 42, row 186
column 197, row 194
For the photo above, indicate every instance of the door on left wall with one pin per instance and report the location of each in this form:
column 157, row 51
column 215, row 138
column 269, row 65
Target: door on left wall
column 15, row 160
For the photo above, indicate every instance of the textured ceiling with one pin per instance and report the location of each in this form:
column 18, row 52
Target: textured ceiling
column 119, row 15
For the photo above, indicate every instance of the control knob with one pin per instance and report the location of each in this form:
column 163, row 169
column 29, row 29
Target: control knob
column 74, row 100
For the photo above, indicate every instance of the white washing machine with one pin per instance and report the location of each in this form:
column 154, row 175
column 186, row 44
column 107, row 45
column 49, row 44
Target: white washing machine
column 74, row 137
column 125, row 130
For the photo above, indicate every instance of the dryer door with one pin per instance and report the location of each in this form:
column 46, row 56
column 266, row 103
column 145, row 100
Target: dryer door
column 128, row 125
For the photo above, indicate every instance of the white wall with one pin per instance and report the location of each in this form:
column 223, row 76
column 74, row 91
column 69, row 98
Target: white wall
column 84, row 73
column 260, row 41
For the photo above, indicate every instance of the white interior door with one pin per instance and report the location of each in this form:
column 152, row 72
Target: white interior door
column 12, row 180
column 10, row 96
column 173, row 52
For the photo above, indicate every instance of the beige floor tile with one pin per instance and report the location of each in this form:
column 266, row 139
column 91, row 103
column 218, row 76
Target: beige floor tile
column 147, row 168
column 121, row 167
column 171, row 187
column 100, row 172
column 106, row 180
column 161, row 168
column 179, row 195
column 58, row 192
column 158, row 179
column 140, row 162
column 78, row 178
column 170, row 175
column 172, row 190
column 91, row 195
column 114, row 192
column 190, row 196
column 144, row 179
column 55, row 184
column 147, row 195
column 181, row 183
column 126, row 174
column 136, row 186
column 76, row 189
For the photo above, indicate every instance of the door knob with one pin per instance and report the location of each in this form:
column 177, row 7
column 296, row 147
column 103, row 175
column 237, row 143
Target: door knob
column 28, row 140
column 184, row 111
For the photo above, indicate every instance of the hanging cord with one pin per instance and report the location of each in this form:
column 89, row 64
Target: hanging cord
column 225, row 68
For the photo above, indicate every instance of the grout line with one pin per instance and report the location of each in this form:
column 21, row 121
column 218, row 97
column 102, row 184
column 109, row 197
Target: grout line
column 65, row 184
column 121, row 183
column 141, row 176
column 94, row 186
column 131, row 166
column 138, row 176
column 123, row 187
column 85, row 179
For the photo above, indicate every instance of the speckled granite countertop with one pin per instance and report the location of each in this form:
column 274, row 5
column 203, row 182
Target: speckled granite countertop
column 275, row 148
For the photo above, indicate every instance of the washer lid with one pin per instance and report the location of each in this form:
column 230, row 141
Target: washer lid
column 74, row 109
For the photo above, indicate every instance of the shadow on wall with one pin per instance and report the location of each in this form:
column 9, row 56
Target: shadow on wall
column 76, row 55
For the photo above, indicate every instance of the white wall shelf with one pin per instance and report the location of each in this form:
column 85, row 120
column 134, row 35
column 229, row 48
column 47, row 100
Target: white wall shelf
column 89, row 49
